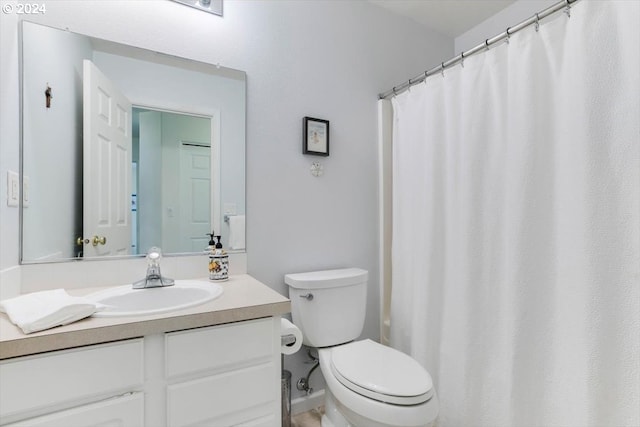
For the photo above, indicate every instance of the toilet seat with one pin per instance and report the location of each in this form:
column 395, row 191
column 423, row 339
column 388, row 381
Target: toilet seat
column 381, row 373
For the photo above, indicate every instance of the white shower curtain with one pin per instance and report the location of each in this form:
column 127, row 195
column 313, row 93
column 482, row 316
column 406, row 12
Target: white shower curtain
column 516, row 226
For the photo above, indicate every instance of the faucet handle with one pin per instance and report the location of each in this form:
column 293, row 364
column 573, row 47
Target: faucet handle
column 154, row 255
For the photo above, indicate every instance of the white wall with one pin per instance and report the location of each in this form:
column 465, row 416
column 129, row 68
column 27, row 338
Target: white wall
column 324, row 59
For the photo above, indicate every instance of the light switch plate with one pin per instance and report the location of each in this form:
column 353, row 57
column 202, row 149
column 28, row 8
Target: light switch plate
column 13, row 189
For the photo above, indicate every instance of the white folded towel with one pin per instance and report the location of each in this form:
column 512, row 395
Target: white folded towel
column 236, row 232
column 43, row 310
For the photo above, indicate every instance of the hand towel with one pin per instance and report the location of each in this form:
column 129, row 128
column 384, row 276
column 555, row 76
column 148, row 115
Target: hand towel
column 236, row 232
column 43, row 310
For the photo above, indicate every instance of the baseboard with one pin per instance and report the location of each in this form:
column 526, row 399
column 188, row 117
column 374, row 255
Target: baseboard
column 307, row 403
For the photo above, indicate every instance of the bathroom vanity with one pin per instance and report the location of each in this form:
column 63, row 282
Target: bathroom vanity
column 213, row 364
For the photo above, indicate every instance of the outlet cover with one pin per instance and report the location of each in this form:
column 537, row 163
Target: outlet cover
column 13, row 189
column 25, row 191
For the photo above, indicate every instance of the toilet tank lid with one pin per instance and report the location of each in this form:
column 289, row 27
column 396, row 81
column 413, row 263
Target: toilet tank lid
column 326, row 278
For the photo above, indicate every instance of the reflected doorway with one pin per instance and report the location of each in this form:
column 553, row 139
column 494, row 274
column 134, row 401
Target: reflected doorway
column 171, row 200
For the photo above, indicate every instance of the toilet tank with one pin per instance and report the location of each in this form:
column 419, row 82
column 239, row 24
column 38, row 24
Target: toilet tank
column 328, row 306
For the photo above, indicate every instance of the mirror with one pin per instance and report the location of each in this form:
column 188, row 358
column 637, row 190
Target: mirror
column 125, row 148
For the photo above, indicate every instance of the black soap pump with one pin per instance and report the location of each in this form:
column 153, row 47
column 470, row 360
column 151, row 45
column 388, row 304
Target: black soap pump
column 212, row 245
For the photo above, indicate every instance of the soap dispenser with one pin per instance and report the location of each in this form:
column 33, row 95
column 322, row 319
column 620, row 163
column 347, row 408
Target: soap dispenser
column 218, row 261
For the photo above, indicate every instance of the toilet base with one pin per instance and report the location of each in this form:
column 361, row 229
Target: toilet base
column 332, row 416
column 325, row 422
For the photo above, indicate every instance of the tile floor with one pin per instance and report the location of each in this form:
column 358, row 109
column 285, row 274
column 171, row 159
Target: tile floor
column 308, row 419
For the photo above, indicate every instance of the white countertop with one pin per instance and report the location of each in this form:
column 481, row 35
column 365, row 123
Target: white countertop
column 244, row 298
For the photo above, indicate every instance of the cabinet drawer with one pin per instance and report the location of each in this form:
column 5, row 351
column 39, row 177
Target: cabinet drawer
column 224, row 399
column 125, row 411
column 218, row 348
column 34, row 385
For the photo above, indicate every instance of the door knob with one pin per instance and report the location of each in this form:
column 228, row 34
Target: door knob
column 80, row 241
column 99, row 240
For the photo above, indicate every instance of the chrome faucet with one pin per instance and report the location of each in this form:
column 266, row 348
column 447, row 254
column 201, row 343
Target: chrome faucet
column 154, row 278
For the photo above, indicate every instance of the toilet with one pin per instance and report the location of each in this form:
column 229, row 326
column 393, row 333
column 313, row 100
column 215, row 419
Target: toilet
column 368, row 384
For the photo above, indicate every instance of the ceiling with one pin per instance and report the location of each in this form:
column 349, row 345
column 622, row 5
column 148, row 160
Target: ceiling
column 448, row 17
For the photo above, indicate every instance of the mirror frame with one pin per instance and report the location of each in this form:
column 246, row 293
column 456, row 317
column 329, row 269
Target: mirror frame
column 138, row 53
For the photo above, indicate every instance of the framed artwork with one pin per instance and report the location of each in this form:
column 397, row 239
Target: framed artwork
column 315, row 138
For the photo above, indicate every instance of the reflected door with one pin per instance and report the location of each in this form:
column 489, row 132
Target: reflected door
column 106, row 166
column 195, row 195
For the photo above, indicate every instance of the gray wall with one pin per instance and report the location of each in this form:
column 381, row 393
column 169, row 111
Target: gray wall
column 53, row 141
column 324, row 59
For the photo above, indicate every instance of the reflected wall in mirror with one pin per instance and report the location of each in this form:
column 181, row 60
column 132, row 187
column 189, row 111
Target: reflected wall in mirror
column 91, row 187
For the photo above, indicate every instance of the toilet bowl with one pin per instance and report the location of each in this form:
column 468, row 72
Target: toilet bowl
column 368, row 384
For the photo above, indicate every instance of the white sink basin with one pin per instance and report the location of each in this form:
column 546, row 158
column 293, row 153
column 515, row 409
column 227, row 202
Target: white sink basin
column 126, row 301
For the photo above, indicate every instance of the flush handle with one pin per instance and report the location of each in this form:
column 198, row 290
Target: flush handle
column 308, row 297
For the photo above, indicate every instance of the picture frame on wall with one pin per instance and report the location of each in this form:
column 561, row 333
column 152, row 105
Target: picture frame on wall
column 315, row 139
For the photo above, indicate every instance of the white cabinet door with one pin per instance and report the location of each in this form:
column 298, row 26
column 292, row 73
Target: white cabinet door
column 225, row 399
column 35, row 385
column 124, row 411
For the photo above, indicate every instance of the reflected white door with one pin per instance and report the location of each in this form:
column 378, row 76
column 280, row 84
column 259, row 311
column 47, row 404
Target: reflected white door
column 106, row 166
column 195, row 197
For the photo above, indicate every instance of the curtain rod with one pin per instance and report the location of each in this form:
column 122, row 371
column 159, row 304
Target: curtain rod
column 535, row 19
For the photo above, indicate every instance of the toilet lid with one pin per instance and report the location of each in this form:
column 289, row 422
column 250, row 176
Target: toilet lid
column 381, row 373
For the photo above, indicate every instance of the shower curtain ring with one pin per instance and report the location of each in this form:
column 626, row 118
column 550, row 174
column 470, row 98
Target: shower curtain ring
column 462, row 59
column 537, row 22
column 486, row 44
column 508, row 35
column 394, row 91
column 442, row 69
column 426, row 74
column 567, row 10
